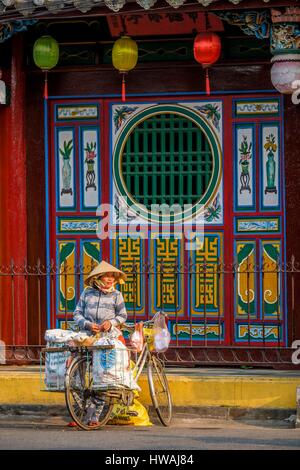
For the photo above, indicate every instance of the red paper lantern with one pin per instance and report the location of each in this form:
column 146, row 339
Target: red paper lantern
column 207, row 50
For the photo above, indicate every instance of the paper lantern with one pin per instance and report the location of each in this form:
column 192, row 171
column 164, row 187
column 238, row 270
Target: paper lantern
column 207, row 50
column 285, row 71
column 124, row 58
column 45, row 56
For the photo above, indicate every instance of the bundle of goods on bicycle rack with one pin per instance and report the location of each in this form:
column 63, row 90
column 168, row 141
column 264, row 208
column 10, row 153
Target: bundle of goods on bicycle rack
column 110, row 362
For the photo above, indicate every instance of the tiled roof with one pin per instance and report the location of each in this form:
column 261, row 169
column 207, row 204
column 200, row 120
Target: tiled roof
column 13, row 9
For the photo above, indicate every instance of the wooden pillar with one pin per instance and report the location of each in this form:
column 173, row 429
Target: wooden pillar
column 13, row 211
column 292, row 198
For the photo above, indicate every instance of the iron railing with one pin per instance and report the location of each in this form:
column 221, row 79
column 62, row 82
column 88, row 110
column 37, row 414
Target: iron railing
column 25, row 292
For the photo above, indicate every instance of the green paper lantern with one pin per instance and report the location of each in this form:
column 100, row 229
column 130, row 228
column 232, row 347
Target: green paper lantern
column 46, row 52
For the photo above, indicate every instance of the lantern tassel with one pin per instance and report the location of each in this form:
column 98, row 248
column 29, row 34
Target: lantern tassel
column 123, row 89
column 207, row 83
column 46, row 86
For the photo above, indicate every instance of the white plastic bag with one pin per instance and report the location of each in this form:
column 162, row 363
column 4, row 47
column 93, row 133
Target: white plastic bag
column 55, row 362
column 162, row 335
column 59, row 335
column 111, row 367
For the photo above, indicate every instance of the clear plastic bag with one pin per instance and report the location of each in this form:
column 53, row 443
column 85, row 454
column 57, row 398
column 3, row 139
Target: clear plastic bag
column 162, row 335
column 137, row 338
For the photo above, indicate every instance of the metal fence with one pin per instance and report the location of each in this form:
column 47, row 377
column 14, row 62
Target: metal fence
column 26, row 290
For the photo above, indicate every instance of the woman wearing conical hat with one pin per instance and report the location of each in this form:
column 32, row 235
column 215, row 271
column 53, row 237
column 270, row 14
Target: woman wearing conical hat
column 101, row 305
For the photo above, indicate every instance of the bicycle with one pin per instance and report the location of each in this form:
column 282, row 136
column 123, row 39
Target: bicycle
column 83, row 400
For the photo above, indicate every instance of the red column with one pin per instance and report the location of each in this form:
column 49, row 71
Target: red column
column 13, row 210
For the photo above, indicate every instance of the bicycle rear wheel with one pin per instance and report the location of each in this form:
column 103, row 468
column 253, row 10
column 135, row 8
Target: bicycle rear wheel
column 159, row 390
column 84, row 403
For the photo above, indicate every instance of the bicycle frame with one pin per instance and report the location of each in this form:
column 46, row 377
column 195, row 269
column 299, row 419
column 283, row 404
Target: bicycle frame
column 140, row 363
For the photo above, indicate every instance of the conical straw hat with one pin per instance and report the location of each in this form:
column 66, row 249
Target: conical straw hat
column 103, row 268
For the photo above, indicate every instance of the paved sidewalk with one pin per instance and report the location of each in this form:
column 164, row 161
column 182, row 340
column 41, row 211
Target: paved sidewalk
column 183, row 434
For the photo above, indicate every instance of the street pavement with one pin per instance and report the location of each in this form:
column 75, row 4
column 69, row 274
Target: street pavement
column 185, row 433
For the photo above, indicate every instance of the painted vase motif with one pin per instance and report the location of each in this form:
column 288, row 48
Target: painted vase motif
column 270, row 171
column 271, row 147
column 66, row 168
column 245, row 156
column 66, row 176
column 90, row 150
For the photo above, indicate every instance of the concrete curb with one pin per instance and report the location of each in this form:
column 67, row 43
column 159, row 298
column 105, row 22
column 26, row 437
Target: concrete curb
column 237, row 392
column 219, row 394
column 225, row 413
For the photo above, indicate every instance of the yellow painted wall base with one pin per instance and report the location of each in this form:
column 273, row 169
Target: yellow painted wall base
column 17, row 388
column 244, row 392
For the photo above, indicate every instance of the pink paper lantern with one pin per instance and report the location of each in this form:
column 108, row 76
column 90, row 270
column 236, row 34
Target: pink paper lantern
column 285, row 71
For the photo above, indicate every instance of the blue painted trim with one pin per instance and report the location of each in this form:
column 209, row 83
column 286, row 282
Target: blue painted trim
column 263, row 208
column 151, row 94
column 81, row 158
column 110, row 169
column 286, row 313
column 57, row 161
column 252, row 207
column 47, row 221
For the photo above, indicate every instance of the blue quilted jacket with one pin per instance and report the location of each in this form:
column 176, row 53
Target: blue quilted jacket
column 95, row 306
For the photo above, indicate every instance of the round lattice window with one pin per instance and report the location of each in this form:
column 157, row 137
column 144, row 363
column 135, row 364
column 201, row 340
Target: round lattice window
column 169, row 156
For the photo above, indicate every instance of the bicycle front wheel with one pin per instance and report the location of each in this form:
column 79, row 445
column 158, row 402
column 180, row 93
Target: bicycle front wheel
column 85, row 405
column 159, row 390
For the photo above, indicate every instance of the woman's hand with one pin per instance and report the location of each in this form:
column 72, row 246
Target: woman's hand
column 105, row 326
column 94, row 328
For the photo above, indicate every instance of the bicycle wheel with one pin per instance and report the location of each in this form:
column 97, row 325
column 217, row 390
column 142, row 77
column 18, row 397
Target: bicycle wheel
column 159, row 390
column 84, row 403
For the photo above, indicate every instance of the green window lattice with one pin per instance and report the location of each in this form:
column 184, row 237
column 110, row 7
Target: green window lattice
column 167, row 159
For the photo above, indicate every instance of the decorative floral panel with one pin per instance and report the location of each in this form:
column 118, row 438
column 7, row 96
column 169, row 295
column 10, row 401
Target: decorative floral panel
column 206, row 282
column 126, row 253
column 270, row 167
column 167, row 287
column 66, row 285
column 90, row 168
column 245, row 280
column 90, row 256
column 65, row 169
column 244, row 167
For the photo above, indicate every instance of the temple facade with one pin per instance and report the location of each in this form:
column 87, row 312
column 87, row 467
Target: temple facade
column 87, row 176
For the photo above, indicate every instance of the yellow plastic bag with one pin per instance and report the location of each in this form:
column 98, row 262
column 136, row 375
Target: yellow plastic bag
column 149, row 337
column 134, row 415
